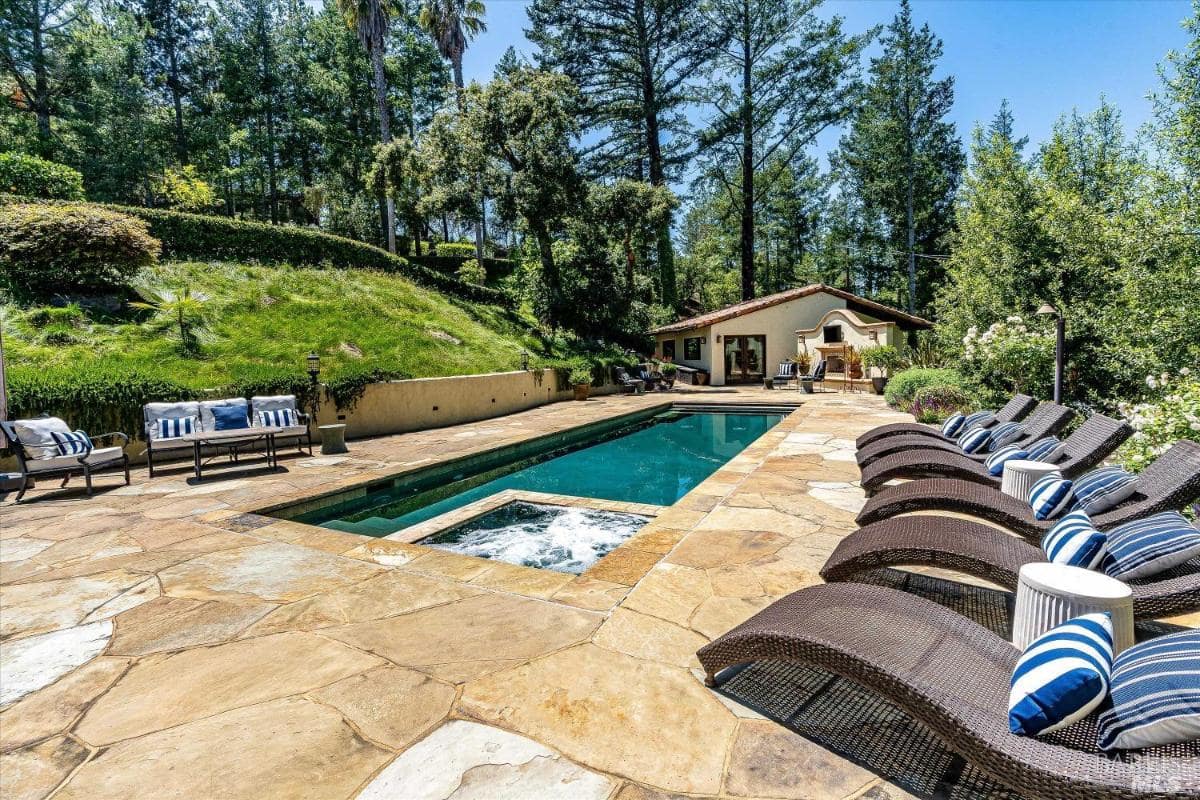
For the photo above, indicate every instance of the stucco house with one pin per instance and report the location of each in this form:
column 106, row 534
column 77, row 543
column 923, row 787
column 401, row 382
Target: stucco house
column 745, row 342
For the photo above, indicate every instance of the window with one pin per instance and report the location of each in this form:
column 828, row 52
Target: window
column 832, row 334
column 668, row 348
column 691, row 349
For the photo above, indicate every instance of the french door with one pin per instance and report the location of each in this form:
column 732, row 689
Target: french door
column 745, row 358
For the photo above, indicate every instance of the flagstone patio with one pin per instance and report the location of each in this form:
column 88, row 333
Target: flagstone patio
column 162, row 640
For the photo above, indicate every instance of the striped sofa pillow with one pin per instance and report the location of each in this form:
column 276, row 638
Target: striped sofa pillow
column 1005, row 434
column 1062, row 675
column 1050, row 496
column 952, row 425
column 974, row 440
column 72, row 444
column 1155, row 694
column 995, row 462
column 174, row 427
column 1152, row 545
column 1102, row 489
column 1046, row 450
column 1074, row 542
column 278, row 418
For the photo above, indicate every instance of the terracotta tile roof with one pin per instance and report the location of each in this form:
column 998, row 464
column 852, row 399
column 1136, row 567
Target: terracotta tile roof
column 853, row 301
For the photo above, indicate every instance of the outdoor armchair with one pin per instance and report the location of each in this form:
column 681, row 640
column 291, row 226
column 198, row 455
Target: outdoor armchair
column 38, row 455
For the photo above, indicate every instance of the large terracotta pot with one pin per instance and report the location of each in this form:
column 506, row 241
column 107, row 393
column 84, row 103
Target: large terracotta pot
column 856, row 371
column 583, row 391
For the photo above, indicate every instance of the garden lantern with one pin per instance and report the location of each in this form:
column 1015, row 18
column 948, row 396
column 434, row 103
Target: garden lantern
column 1060, row 346
column 524, row 359
column 314, row 370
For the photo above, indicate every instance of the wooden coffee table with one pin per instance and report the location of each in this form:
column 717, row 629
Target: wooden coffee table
column 233, row 439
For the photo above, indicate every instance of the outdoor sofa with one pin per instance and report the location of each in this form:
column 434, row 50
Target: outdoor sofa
column 38, row 455
column 952, row 675
column 1015, row 410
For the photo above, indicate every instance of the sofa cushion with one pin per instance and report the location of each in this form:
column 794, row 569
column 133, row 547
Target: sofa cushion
column 102, row 455
column 1155, row 694
column 37, row 436
column 208, row 422
column 230, row 418
column 153, row 412
column 1062, row 676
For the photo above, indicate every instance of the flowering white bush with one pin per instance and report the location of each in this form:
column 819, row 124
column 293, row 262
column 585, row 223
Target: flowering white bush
column 1010, row 356
column 1159, row 423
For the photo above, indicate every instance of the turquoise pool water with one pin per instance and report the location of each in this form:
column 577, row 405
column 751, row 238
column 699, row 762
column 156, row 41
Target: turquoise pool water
column 654, row 462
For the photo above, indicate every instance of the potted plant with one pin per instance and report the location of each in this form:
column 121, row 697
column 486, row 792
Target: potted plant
column 581, row 379
column 854, row 363
column 669, row 371
column 883, row 358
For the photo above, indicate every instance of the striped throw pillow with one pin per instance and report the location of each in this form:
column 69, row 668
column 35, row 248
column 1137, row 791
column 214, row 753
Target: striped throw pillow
column 976, row 418
column 279, row 418
column 1050, row 495
column 1046, row 450
column 1005, row 434
column 995, row 462
column 1062, row 675
column 1102, row 489
column 174, row 427
column 1155, row 694
column 952, row 425
column 974, row 440
column 1074, row 542
column 72, row 444
column 1152, row 545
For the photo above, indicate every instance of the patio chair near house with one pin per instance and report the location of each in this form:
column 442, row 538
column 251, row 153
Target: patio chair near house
column 1171, row 481
column 816, row 376
column 649, row 379
column 1016, row 409
column 628, row 384
column 953, row 675
column 48, row 448
column 974, row 548
column 786, row 372
column 1090, row 444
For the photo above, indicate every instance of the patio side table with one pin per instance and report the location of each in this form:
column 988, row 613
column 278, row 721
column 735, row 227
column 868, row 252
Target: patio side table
column 1020, row 476
column 333, row 439
column 1050, row 594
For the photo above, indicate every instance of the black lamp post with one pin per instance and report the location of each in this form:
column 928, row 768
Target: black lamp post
column 1060, row 346
column 524, row 359
column 314, row 370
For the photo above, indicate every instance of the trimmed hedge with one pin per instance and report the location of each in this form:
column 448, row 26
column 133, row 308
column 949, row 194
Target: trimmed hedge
column 454, row 250
column 24, row 174
column 206, row 237
column 903, row 386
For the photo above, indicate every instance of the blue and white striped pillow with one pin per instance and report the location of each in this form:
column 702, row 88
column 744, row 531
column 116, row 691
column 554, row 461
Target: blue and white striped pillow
column 974, row 440
column 1148, row 546
column 1074, row 542
column 976, row 418
column 72, row 444
column 1062, row 675
column 174, row 427
column 1102, row 489
column 952, row 425
column 1045, row 449
column 1005, row 434
column 995, row 462
column 1050, row 495
column 1155, row 694
column 279, row 418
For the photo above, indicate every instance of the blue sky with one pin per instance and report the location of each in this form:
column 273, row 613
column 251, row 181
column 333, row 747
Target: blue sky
column 1045, row 56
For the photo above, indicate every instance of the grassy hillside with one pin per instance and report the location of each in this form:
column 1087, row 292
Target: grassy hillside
column 269, row 317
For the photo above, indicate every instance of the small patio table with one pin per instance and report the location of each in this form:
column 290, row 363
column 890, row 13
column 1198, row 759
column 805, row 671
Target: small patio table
column 233, row 439
column 1050, row 594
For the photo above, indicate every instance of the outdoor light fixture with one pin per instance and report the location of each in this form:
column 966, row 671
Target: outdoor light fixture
column 524, row 359
column 314, row 369
column 1060, row 346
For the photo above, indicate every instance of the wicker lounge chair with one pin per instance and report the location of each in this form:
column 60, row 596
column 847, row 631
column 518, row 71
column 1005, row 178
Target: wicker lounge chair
column 38, row 456
column 1171, row 481
column 1091, row 443
column 1045, row 420
column 952, row 675
column 977, row 549
column 1014, row 410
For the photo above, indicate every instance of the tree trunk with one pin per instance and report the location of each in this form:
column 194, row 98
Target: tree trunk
column 385, row 136
column 549, row 269
column 747, row 114
column 456, row 64
column 175, row 85
column 666, row 249
column 41, row 85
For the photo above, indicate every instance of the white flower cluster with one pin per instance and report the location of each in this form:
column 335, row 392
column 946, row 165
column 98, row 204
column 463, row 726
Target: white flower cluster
column 998, row 334
column 1159, row 423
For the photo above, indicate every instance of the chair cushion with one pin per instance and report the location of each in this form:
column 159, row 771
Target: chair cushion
column 1050, row 495
column 279, row 418
column 1045, row 450
column 1010, row 452
column 209, row 423
column 1062, row 676
column 1074, row 542
column 1155, row 694
column 174, row 427
column 274, row 402
column 98, row 456
column 36, row 436
column 1004, row 434
column 229, row 418
column 153, row 412
column 1152, row 545
column 952, row 425
column 1102, row 489
column 974, row 440
column 72, row 444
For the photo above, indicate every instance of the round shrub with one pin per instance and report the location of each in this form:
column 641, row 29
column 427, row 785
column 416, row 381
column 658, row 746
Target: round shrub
column 903, row 386
column 36, row 177
column 471, row 271
column 455, row 250
column 50, row 249
column 936, row 403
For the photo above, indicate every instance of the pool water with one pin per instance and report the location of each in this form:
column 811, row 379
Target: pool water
column 561, row 538
column 655, row 462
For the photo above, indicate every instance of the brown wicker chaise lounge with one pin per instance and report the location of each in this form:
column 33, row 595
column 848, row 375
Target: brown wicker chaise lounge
column 951, row 674
column 977, row 549
column 1091, row 443
column 1045, row 420
column 1014, row 410
column 1172, row 481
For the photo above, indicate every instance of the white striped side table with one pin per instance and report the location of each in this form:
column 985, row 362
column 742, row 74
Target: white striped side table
column 1019, row 477
column 1050, row 594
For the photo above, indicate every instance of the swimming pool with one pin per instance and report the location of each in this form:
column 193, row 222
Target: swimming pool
column 656, row 461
